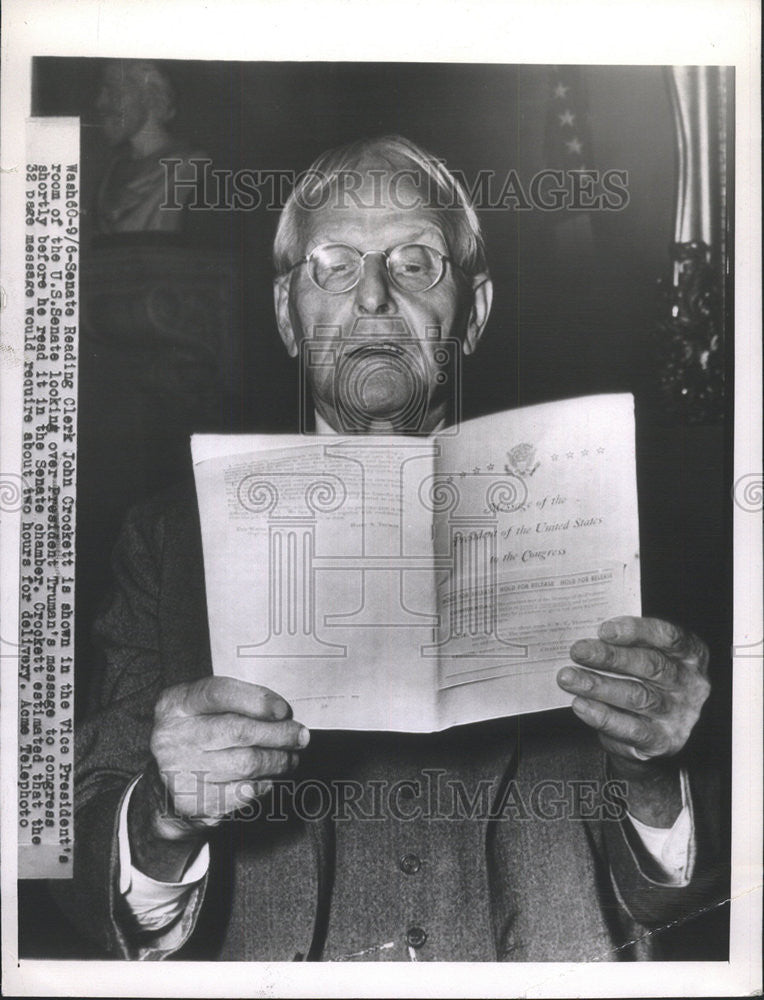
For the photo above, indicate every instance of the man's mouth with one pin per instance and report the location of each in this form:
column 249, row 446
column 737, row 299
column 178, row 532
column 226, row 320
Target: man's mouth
column 381, row 381
column 378, row 347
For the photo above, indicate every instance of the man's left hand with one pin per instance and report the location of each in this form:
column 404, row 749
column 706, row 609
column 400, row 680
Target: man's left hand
column 650, row 708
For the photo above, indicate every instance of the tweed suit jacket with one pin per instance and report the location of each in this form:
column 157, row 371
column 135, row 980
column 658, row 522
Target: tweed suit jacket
column 505, row 883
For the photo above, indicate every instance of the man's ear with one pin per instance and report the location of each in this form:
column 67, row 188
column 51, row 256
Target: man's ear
column 482, row 297
column 283, row 319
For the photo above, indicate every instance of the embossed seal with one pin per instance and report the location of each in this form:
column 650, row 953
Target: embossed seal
column 521, row 460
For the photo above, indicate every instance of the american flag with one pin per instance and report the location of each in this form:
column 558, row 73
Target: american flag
column 568, row 147
column 568, row 138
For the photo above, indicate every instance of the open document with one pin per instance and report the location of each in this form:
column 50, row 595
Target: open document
column 412, row 584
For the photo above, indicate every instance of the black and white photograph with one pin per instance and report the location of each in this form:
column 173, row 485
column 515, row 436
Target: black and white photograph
column 380, row 511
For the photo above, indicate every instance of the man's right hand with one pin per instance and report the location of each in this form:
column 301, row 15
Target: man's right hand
column 217, row 744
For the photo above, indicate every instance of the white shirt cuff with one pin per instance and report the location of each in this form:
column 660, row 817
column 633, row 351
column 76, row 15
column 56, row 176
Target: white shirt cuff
column 672, row 848
column 154, row 904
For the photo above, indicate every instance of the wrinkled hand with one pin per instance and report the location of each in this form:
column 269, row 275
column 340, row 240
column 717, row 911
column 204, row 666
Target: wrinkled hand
column 217, row 744
column 650, row 709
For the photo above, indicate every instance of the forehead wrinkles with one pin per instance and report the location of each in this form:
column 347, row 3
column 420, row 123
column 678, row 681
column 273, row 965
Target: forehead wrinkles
column 375, row 202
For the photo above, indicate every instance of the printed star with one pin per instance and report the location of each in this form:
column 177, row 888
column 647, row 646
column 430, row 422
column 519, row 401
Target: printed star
column 569, row 454
column 567, row 118
column 574, row 146
column 555, row 457
column 476, row 469
column 462, row 475
column 584, row 453
column 490, row 466
column 561, row 90
column 600, row 451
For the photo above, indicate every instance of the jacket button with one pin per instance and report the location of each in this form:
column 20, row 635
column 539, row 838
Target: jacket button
column 415, row 937
column 410, row 864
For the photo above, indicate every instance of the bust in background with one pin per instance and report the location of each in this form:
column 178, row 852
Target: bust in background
column 136, row 104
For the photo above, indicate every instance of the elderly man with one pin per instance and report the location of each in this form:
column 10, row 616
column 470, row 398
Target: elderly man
column 184, row 838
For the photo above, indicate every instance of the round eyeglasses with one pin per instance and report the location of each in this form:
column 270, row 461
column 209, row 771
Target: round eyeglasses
column 336, row 267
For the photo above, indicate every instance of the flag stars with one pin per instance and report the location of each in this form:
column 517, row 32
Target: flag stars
column 561, row 90
column 567, row 118
column 574, row 145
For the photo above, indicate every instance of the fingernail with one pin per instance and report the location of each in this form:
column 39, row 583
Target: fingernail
column 673, row 634
column 608, row 630
column 578, row 679
column 280, row 709
column 303, row 737
column 582, row 648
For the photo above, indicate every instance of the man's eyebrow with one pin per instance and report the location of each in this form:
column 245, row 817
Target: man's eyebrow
column 328, row 236
column 428, row 229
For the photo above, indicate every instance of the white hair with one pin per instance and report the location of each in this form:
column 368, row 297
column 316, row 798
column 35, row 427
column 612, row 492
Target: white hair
column 391, row 153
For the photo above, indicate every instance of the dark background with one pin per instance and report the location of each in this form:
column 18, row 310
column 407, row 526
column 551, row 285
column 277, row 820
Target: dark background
column 554, row 330
column 575, row 311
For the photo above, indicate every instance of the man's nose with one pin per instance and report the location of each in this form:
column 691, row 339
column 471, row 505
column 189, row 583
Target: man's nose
column 372, row 293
